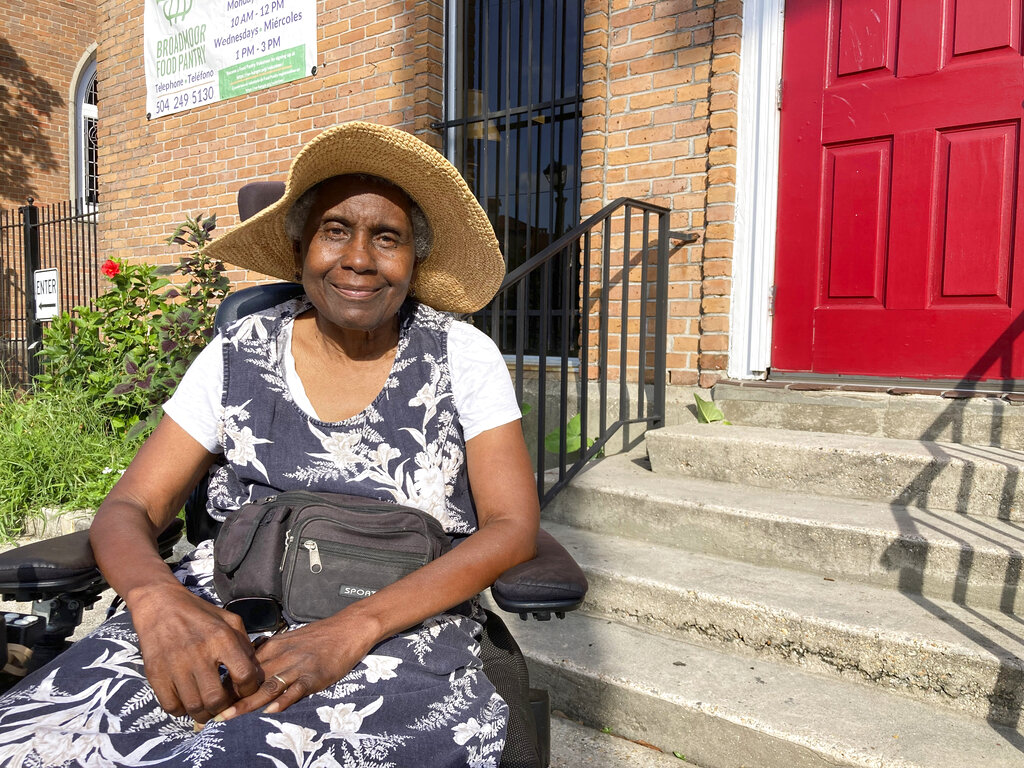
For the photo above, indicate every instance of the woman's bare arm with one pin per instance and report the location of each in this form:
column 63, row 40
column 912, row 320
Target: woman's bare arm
column 183, row 638
column 142, row 503
column 318, row 655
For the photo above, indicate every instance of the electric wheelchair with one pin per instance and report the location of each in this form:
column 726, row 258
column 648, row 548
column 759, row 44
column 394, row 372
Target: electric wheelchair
column 59, row 575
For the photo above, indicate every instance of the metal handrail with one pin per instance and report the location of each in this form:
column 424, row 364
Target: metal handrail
column 573, row 253
column 573, row 235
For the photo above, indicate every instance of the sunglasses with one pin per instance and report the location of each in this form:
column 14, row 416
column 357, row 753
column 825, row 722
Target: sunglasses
column 259, row 614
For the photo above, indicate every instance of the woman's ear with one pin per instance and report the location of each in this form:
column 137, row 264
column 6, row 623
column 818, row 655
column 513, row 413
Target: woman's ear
column 297, row 255
column 412, row 280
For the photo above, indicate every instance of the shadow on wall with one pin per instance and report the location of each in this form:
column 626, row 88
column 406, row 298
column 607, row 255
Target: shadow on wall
column 1006, row 696
column 27, row 104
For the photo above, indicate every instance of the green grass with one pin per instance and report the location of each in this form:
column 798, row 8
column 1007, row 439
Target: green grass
column 54, row 449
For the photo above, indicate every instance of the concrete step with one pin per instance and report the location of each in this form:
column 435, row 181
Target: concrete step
column 981, row 481
column 974, row 421
column 723, row 710
column 679, row 409
column 943, row 555
column 576, row 746
column 935, row 651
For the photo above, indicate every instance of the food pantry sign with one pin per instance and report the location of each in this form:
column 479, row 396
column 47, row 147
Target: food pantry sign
column 201, row 51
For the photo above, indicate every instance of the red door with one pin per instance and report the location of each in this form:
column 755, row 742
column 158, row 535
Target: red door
column 900, row 224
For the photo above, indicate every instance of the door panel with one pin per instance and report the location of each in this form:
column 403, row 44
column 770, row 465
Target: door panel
column 858, row 218
column 982, row 25
column 900, row 189
column 977, row 178
column 866, row 36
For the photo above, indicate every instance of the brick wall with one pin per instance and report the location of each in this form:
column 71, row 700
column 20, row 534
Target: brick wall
column 380, row 60
column 41, row 43
column 660, row 80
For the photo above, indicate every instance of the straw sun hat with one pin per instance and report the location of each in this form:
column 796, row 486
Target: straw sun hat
column 465, row 266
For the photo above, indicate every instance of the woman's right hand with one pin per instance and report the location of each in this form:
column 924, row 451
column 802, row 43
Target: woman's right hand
column 184, row 639
column 184, row 642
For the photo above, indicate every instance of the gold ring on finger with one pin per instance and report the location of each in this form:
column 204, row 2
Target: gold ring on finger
column 281, row 680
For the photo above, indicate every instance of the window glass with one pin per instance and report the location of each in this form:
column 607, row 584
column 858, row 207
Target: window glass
column 86, row 144
column 512, row 127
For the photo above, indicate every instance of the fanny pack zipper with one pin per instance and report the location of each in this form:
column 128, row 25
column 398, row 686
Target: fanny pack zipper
column 303, row 499
column 314, row 548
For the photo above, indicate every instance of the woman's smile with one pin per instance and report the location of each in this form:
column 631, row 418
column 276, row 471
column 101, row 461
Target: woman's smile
column 356, row 292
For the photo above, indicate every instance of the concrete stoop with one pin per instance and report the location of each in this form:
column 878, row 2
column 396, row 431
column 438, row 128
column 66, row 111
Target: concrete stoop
column 935, row 650
column 576, row 746
column 723, row 710
column 785, row 598
column 974, row 480
column 969, row 421
column 934, row 553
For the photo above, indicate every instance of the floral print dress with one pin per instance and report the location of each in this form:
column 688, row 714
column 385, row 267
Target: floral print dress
column 418, row 699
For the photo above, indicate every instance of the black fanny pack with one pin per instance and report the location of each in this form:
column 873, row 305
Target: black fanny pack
column 312, row 554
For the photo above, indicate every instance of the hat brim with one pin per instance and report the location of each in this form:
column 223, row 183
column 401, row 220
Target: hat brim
column 465, row 267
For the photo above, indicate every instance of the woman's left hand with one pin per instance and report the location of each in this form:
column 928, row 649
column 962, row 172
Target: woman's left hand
column 301, row 662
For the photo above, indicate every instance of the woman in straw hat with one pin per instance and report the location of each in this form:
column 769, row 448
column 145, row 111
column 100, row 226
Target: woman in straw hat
column 363, row 385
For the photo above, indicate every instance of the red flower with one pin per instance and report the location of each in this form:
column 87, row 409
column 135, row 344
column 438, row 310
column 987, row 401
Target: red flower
column 110, row 268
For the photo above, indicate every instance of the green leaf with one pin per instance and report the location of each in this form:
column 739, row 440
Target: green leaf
column 137, row 429
column 708, row 412
column 573, row 428
column 680, row 755
column 552, row 441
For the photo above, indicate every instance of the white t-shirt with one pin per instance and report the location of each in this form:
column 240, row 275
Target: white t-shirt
column 481, row 385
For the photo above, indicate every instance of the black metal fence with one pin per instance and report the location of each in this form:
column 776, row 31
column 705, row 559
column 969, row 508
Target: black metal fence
column 605, row 365
column 61, row 236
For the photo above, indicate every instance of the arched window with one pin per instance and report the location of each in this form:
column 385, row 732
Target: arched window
column 86, row 178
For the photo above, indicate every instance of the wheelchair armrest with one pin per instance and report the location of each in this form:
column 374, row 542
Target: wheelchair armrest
column 44, row 569
column 551, row 582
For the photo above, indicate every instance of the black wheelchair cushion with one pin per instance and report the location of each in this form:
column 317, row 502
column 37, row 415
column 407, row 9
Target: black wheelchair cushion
column 257, row 195
column 44, row 569
column 254, row 299
column 550, row 583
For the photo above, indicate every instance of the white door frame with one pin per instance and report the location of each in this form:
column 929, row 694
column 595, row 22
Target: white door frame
column 757, row 182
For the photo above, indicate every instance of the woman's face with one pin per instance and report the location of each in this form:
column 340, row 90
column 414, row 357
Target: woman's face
column 357, row 253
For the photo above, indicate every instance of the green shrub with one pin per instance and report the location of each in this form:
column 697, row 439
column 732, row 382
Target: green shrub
column 87, row 353
column 107, row 370
column 573, row 437
column 56, row 450
column 129, row 351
